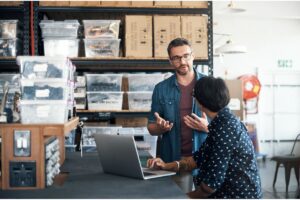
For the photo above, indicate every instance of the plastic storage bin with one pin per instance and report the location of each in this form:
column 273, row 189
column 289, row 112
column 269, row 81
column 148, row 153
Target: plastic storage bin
column 67, row 28
column 8, row 28
column 139, row 100
column 32, row 67
column 105, row 100
column 102, row 47
column 43, row 112
column 44, row 90
column 143, row 82
column 12, row 79
column 88, row 133
column 61, row 47
column 80, row 81
column 80, row 103
column 103, row 82
column 101, row 28
column 9, row 47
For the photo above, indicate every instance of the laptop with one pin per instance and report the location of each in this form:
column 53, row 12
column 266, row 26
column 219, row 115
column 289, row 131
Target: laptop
column 118, row 155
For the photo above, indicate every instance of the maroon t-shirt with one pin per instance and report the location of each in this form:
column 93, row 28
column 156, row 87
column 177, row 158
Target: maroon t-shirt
column 185, row 108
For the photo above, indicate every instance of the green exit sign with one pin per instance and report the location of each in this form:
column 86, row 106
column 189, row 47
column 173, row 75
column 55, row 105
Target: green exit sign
column 285, row 63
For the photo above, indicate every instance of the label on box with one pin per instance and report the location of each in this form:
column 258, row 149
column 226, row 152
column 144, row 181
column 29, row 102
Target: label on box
column 234, row 104
column 40, row 67
column 42, row 111
column 42, row 93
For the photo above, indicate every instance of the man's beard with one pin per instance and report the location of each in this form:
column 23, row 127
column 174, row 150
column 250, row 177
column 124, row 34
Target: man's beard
column 178, row 71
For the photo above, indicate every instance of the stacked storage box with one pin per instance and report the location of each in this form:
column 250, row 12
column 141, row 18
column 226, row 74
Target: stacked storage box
column 9, row 43
column 140, row 88
column 60, row 37
column 101, row 38
column 46, row 89
column 80, row 92
column 13, row 89
column 104, row 91
column 143, row 139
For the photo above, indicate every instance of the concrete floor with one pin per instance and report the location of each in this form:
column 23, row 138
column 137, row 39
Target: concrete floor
column 267, row 172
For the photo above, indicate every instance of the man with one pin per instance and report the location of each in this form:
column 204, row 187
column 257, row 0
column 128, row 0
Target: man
column 226, row 160
column 174, row 114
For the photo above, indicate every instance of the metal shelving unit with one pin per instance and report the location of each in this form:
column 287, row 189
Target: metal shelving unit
column 22, row 14
column 83, row 64
column 119, row 64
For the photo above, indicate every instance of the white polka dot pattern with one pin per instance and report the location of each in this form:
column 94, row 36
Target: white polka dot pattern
column 227, row 159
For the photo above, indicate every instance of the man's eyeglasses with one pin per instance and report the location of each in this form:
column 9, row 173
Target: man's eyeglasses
column 185, row 57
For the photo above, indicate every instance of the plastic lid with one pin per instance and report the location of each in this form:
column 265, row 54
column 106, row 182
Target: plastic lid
column 56, row 24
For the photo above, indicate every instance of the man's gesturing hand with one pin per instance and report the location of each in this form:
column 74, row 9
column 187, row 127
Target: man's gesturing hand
column 162, row 123
column 197, row 123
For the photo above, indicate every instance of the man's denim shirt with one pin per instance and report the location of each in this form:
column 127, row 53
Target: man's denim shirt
column 165, row 101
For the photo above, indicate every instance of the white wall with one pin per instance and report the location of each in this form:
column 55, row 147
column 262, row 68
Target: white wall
column 270, row 33
column 267, row 40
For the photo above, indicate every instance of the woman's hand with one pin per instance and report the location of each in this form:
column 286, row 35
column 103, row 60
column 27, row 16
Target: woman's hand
column 156, row 163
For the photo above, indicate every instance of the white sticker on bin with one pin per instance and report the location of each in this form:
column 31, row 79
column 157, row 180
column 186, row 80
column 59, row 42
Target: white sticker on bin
column 234, row 104
column 42, row 93
column 42, row 111
column 40, row 67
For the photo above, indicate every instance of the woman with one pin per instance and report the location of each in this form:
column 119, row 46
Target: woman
column 226, row 159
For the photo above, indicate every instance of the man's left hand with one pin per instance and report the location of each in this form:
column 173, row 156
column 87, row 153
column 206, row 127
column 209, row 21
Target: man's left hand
column 197, row 123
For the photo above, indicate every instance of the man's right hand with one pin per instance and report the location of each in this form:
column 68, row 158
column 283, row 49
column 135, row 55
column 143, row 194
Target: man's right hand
column 162, row 123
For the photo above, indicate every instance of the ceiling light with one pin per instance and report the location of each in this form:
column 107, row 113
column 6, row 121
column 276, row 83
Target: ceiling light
column 234, row 9
column 231, row 48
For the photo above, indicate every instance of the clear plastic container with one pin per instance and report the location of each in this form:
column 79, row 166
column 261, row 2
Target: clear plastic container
column 80, row 92
column 67, row 28
column 8, row 28
column 103, row 82
column 61, row 47
column 80, row 81
column 43, row 112
column 143, row 82
column 10, row 97
column 103, row 47
column 105, row 100
column 12, row 79
column 101, row 28
column 9, row 47
column 91, row 130
column 139, row 100
column 48, row 89
column 32, row 67
column 88, row 133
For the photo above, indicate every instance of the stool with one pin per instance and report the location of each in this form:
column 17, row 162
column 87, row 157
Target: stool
column 289, row 162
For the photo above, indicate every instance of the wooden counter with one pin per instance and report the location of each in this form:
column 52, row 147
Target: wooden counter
column 39, row 134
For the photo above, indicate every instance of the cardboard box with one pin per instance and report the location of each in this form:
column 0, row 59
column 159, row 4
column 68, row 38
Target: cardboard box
column 138, row 36
column 145, row 4
column 85, row 3
column 11, row 3
column 235, row 88
column 194, row 29
column 170, row 4
column 54, row 3
column 194, row 4
column 131, row 121
column 166, row 28
column 116, row 3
